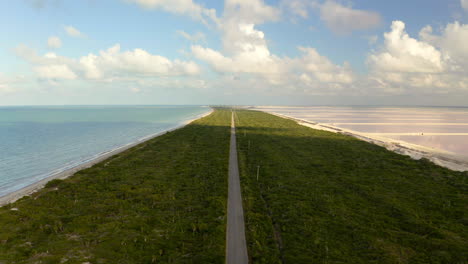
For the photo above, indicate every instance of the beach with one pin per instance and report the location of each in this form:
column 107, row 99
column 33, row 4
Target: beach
column 14, row 196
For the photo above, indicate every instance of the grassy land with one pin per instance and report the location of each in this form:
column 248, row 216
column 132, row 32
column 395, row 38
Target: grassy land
column 328, row 198
column 161, row 202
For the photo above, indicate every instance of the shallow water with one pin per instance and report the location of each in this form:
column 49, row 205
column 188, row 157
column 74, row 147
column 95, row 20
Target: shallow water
column 434, row 127
column 37, row 141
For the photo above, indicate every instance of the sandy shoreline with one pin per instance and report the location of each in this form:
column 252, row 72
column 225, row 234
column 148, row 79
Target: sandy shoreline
column 14, row 196
column 442, row 158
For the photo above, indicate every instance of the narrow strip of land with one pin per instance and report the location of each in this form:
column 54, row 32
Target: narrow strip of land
column 148, row 204
column 236, row 248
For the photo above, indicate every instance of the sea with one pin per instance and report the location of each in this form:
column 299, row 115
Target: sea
column 38, row 141
column 438, row 128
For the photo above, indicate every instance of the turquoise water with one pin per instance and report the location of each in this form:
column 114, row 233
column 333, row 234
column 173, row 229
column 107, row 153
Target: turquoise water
column 36, row 142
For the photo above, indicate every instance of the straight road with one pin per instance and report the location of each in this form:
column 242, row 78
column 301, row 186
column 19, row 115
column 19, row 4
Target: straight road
column 236, row 247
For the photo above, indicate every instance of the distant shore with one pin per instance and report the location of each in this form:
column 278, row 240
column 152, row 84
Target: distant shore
column 442, row 158
column 25, row 191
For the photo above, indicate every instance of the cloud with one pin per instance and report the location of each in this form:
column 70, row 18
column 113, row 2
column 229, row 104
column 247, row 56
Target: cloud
column 55, row 71
column 464, row 4
column 174, row 83
column 310, row 71
column 238, row 24
column 108, row 64
column 297, row 7
column 310, row 68
column 344, row 20
column 197, row 37
column 405, row 54
column 5, row 85
column 250, row 11
column 246, row 47
column 321, row 68
column 181, row 7
column 136, row 62
column 73, row 32
column 451, row 43
column 434, row 63
column 6, row 89
column 339, row 18
column 245, row 62
column 247, row 58
column 54, row 42
column 135, row 90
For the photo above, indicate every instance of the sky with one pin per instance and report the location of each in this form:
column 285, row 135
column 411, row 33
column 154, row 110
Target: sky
column 237, row 52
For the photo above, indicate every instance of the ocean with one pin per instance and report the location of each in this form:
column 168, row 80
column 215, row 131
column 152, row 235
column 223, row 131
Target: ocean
column 437, row 128
column 36, row 142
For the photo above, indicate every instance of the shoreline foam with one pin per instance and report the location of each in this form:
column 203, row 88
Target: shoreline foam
column 67, row 171
column 440, row 157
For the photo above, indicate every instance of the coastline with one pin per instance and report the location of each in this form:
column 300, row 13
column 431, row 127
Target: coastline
column 440, row 157
column 34, row 187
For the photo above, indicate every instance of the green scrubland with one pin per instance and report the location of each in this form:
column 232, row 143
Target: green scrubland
column 163, row 201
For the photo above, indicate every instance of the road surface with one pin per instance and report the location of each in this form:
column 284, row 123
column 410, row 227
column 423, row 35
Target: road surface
column 236, row 248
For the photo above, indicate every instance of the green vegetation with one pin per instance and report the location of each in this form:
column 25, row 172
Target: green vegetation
column 329, row 198
column 319, row 198
column 163, row 201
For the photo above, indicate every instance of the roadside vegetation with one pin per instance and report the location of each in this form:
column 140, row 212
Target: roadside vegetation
column 322, row 197
column 163, row 201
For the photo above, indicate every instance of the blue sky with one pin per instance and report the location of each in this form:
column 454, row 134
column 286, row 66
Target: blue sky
column 234, row 52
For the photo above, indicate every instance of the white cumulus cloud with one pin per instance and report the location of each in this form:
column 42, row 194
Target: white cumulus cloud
column 108, row 64
column 436, row 63
column 405, row 54
column 248, row 49
column 54, row 42
column 452, row 42
column 322, row 69
column 138, row 62
column 196, row 37
column 238, row 25
column 343, row 20
column 73, row 32
column 248, row 58
column 55, row 71
column 311, row 67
